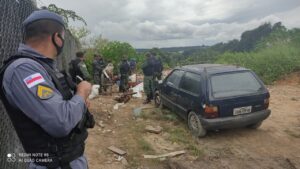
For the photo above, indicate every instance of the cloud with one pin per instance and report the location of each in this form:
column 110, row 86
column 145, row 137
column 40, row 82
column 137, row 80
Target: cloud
column 163, row 23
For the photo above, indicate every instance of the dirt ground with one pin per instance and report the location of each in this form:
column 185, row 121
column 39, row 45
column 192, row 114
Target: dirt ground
column 276, row 144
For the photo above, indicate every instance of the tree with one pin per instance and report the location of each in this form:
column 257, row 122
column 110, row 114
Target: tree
column 111, row 51
column 66, row 14
column 116, row 50
column 80, row 34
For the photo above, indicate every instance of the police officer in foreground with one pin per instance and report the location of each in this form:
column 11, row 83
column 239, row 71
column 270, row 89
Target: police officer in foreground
column 49, row 116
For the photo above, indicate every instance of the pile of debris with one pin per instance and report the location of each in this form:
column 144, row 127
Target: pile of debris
column 125, row 97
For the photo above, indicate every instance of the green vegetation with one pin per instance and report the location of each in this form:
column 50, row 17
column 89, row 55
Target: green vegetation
column 195, row 150
column 272, row 51
column 275, row 56
column 112, row 51
column 145, row 146
column 157, row 114
column 269, row 63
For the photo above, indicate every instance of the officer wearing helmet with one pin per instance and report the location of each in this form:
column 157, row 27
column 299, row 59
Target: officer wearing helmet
column 47, row 110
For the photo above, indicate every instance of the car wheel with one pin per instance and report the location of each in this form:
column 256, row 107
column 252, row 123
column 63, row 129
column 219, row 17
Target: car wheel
column 195, row 125
column 255, row 125
column 157, row 100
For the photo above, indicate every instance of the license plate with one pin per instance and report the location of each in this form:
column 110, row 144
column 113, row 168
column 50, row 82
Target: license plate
column 242, row 110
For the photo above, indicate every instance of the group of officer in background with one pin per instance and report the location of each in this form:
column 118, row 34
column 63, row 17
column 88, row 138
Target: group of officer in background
column 77, row 67
column 152, row 70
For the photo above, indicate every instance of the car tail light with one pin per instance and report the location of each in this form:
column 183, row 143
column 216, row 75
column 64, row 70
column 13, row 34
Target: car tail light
column 211, row 111
column 266, row 103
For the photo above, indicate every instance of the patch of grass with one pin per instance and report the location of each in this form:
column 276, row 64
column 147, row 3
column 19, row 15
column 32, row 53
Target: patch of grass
column 148, row 115
column 195, row 150
column 157, row 114
column 138, row 128
column 179, row 134
column 170, row 117
column 145, row 146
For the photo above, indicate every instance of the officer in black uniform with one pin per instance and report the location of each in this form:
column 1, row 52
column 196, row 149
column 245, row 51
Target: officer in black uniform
column 124, row 74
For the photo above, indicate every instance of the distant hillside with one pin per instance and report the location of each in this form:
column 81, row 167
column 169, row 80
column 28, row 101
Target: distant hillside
column 175, row 49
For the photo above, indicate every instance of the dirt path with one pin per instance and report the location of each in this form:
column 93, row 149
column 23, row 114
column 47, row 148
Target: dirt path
column 276, row 144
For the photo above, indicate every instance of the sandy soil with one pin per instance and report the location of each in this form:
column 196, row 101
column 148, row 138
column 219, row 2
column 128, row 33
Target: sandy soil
column 276, row 144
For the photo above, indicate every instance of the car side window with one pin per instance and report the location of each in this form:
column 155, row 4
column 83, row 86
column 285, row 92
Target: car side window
column 175, row 78
column 191, row 83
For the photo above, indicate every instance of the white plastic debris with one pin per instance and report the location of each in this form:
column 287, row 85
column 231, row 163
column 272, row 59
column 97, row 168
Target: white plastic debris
column 116, row 106
column 138, row 89
column 95, row 91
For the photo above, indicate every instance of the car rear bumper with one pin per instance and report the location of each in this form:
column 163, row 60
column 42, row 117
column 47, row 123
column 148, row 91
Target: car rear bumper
column 235, row 121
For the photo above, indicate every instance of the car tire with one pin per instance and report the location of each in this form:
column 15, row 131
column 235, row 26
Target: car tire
column 195, row 125
column 255, row 125
column 157, row 100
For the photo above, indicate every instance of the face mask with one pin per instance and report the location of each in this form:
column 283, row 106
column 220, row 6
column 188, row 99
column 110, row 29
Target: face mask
column 58, row 48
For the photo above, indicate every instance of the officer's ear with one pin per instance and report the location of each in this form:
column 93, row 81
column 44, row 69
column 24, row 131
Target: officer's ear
column 59, row 38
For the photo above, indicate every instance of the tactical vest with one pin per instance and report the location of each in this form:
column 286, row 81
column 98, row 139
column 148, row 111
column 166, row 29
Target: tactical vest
column 148, row 69
column 60, row 151
column 75, row 70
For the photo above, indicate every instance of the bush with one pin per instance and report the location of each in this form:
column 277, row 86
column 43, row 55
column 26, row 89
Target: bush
column 269, row 63
column 113, row 51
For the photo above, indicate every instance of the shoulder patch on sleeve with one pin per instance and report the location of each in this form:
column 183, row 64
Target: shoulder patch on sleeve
column 34, row 80
column 44, row 92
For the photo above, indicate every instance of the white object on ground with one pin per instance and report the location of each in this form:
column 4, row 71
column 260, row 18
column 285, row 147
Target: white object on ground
column 116, row 106
column 173, row 154
column 138, row 89
column 94, row 92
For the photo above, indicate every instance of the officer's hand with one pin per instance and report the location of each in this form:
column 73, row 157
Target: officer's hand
column 87, row 103
column 84, row 89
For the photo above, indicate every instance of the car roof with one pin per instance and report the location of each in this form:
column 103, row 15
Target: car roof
column 211, row 68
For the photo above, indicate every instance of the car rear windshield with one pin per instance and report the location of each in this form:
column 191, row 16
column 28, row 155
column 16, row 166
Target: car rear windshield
column 234, row 84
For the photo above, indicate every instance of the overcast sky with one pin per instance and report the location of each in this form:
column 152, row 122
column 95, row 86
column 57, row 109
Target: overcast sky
column 169, row 23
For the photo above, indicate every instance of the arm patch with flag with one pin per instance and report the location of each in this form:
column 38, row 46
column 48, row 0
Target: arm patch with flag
column 34, row 80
